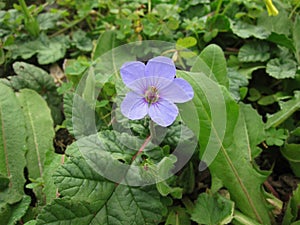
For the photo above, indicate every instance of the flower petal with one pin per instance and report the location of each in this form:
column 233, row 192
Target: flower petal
column 163, row 112
column 178, row 91
column 160, row 67
column 134, row 106
column 132, row 74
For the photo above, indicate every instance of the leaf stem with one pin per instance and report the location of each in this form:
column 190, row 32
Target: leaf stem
column 218, row 7
column 149, row 6
column 25, row 9
column 68, row 27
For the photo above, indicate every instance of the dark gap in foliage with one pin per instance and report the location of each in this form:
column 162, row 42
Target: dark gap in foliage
column 29, row 191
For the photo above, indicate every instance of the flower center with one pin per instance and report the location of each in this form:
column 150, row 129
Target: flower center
column 151, row 95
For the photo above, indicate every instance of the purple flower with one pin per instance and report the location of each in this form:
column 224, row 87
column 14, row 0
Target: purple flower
column 154, row 90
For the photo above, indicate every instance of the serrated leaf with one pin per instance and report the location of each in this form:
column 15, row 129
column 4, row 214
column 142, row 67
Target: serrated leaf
column 51, row 50
column 287, row 109
column 39, row 126
column 14, row 212
column 281, row 68
column 215, row 68
column 47, row 50
column 212, row 210
column 94, row 200
column 232, row 164
column 48, row 20
column 111, row 154
column 292, row 208
column 77, row 180
column 12, row 145
column 254, row 52
column 81, row 41
column 51, row 163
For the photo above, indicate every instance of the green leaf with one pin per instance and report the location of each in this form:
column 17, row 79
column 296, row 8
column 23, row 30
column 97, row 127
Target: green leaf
column 212, row 210
column 279, row 24
column 51, row 50
column 2, row 56
column 254, row 52
column 76, row 179
column 109, row 57
column 32, row 77
column 267, row 100
column 106, row 42
column 281, row 68
column 51, row 163
column 78, row 115
column 81, row 41
column 232, row 163
column 94, row 200
column 178, row 216
column 292, row 208
column 236, row 82
column 246, row 30
column 287, row 109
column 215, row 67
column 275, row 137
column 10, row 214
column 114, row 154
column 47, row 50
column 282, row 40
column 39, row 126
column 296, row 37
column 12, row 143
column 219, row 22
column 292, row 153
column 31, row 222
column 48, row 20
column 186, row 42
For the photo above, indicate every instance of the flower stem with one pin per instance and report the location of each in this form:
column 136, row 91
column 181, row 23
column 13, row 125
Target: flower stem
column 152, row 130
column 148, row 139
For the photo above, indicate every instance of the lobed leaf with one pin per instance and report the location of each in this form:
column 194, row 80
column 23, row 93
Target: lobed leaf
column 232, row 162
column 281, row 68
column 212, row 210
column 246, row 30
column 287, row 109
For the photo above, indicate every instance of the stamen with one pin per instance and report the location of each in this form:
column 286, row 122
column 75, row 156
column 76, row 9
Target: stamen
column 151, row 95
